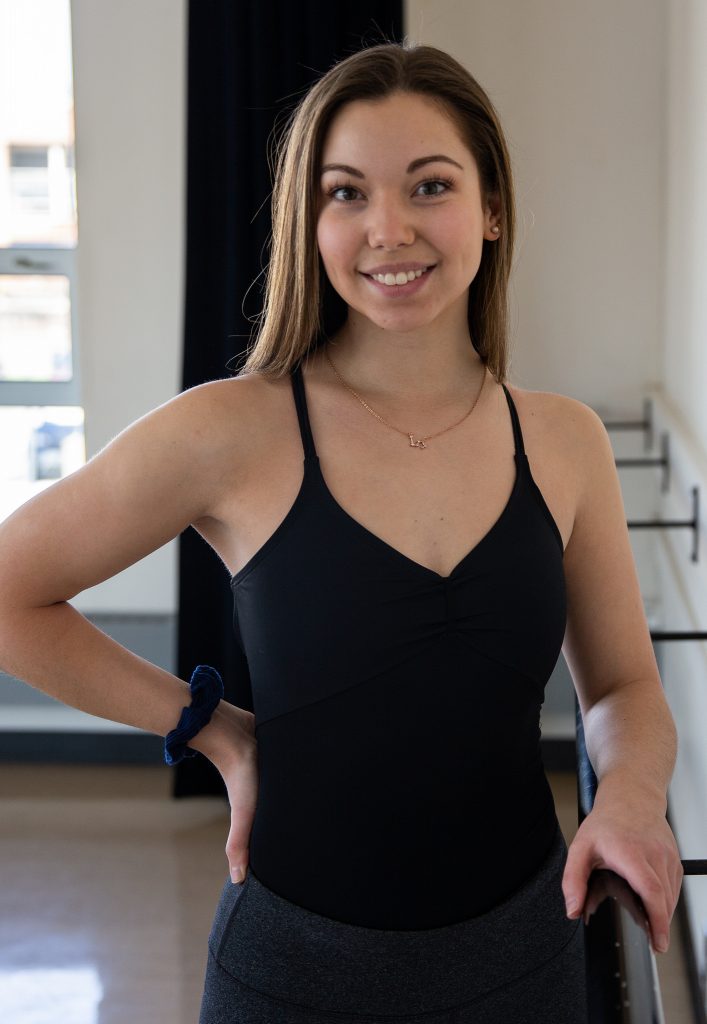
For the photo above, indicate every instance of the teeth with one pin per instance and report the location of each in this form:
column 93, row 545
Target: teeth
column 400, row 278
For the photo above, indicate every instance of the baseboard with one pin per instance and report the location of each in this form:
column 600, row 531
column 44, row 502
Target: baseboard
column 145, row 748
column 81, row 748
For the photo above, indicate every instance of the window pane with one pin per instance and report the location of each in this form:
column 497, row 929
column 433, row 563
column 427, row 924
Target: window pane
column 37, row 184
column 35, row 327
column 37, row 445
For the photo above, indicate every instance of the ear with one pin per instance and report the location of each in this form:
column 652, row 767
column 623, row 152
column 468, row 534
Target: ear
column 492, row 216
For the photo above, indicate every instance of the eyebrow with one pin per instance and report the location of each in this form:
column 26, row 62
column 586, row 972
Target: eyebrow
column 420, row 162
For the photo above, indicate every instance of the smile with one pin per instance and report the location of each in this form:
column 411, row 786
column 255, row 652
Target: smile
column 399, row 278
column 401, row 284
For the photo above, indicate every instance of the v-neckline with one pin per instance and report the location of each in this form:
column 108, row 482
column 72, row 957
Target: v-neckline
column 311, row 464
column 396, row 552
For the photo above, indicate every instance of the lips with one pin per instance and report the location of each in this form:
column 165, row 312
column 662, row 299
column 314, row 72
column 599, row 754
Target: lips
column 390, row 287
column 396, row 268
column 400, row 278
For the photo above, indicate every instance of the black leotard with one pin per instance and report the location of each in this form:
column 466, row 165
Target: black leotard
column 397, row 710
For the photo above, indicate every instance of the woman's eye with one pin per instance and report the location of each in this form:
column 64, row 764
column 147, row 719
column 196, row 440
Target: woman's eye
column 439, row 185
column 335, row 192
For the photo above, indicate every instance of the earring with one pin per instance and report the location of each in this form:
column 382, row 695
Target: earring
column 495, row 228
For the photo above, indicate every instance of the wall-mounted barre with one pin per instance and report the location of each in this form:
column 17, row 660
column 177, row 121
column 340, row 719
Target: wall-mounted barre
column 663, row 460
column 678, row 634
column 693, row 524
column 646, row 424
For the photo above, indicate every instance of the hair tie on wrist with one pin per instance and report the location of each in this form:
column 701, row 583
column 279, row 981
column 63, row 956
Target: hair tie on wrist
column 206, row 688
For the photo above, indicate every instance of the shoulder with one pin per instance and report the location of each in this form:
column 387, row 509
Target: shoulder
column 231, row 428
column 555, row 409
column 210, row 432
column 568, row 447
column 560, row 421
column 227, row 411
column 230, row 395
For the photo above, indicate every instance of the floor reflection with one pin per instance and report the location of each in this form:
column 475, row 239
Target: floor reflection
column 106, row 899
column 46, row 995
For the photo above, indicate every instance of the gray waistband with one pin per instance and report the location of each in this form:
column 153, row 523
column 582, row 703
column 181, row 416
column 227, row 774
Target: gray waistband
column 286, row 951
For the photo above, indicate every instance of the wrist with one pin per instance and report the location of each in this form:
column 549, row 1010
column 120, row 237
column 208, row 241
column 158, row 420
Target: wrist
column 225, row 738
column 626, row 787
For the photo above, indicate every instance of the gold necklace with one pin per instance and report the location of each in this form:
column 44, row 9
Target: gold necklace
column 420, row 443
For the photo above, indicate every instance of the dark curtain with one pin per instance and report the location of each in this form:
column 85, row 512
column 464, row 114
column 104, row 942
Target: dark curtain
column 247, row 63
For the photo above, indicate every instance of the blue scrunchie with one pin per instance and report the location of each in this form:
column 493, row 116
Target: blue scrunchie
column 206, row 688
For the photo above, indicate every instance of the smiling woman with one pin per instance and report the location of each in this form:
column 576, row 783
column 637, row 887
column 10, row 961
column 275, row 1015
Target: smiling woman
column 401, row 595
column 460, row 155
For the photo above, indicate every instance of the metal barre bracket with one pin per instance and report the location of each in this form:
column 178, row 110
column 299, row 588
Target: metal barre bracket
column 663, row 460
column 678, row 634
column 693, row 524
column 646, row 424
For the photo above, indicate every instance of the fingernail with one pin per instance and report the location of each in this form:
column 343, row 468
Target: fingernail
column 661, row 943
column 237, row 874
column 572, row 906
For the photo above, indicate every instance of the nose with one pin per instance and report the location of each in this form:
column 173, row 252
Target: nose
column 390, row 224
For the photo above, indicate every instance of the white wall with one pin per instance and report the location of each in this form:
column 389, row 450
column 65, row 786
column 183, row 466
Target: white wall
column 684, row 364
column 130, row 88
column 682, row 406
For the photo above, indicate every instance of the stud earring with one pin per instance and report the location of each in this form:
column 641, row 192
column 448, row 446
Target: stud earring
column 495, row 228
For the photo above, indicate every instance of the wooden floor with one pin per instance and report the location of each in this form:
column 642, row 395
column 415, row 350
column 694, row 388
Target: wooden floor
column 109, row 887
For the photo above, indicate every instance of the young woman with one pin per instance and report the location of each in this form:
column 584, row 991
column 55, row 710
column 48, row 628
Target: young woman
column 411, row 543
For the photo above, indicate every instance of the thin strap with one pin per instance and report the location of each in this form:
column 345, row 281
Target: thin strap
column 305, row 430
column 517, row 432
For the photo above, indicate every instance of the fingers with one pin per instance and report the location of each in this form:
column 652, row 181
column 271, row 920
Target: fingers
column 652, row 870
column 665, row 884
column 578, row 867
column 656, row 894
column 238, row 837
column 237, row 873
column 678, row 875
column 237, row 851
column 597, row 892
column 242, row 785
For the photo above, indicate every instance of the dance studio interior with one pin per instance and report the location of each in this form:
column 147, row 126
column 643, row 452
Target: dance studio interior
column 135, row 190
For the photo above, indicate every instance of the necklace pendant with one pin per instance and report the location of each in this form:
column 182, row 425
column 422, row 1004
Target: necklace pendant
column 416, row 444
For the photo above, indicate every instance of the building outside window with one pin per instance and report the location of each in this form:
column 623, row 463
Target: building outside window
column 41, row 418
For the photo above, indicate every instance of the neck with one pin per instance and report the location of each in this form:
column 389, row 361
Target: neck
column 414, row 369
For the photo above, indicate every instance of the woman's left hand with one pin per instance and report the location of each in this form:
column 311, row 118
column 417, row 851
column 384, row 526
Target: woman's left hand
column 627, row 833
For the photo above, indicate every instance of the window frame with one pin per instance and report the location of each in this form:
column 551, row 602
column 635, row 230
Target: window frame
column 45, row 261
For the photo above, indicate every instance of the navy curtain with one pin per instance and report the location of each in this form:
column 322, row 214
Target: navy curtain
column 247, row 62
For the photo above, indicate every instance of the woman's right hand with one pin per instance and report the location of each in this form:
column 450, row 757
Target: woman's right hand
column 229, row 743
column 241, row 778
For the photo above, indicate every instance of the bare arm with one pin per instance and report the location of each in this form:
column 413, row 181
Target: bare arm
column 144, row 488
column 629, row 730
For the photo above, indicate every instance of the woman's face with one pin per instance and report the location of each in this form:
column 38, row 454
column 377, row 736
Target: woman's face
column 400, row 194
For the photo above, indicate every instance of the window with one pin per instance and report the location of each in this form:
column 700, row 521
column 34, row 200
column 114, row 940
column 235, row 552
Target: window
column 41, row 419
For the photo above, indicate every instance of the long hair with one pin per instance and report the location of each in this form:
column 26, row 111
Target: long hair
column 301, row 309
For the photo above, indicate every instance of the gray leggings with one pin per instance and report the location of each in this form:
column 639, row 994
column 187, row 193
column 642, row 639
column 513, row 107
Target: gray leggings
column 270, row 960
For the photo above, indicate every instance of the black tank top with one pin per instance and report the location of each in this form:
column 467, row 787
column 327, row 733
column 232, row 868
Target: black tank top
column 397, row 711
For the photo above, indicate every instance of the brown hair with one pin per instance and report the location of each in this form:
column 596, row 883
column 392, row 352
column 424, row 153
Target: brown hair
column 301, row 308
